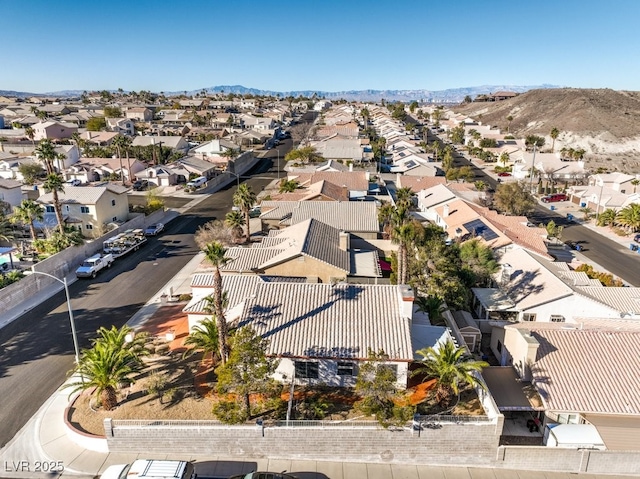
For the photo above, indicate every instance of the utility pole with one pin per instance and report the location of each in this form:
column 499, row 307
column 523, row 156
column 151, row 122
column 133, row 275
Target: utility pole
column 599, row 201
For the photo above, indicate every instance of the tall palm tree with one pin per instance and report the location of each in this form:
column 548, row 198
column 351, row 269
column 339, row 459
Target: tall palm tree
column 120, row 143
column 46, row 152
column 236, row 222
column 635, row 184
column 404, row 197
column 28, row 212
column 54, row 184
column 204, row 338
column 509, row 120
column 629, row 217
column 554, row 134
column 244, row 198
column 215, row 253
column 30, row 133
column 451, row 367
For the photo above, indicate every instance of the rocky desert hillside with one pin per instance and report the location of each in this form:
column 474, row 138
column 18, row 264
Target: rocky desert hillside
column 605, row 123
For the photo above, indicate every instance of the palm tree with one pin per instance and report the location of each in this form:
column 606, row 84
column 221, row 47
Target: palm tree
column 6, row 233
column 431, row 305
column 607, row 217
column 509, row 120
column 120, row 142
column 587, row 212
column 288, row 186
column 30, row 133
column 109, row 363
column 203, row 337
column 635, row 184
column 554, row 134
column 46, row 152
column 451, row 367
column 235, row 221
column 404, row 197
column 244, row 198
column 54, row 184
column 215, row 253
column 629, row 217
column 27, row 213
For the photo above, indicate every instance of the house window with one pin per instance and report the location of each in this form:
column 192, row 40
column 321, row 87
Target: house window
column 66, row 208
column 84, row 209
column 115, row 218
column 499, row 347
column 89, row 227
column 528, row 316
column 113, row 202
column 307, row 369
column 50, row 209
column 346, row 369
column 557, row 318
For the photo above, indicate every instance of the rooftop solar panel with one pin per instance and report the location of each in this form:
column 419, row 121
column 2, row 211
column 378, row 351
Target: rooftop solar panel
column 479, row 228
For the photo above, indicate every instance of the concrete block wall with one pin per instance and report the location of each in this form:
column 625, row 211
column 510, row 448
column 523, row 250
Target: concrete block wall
column 468, row 443
column 568, row 460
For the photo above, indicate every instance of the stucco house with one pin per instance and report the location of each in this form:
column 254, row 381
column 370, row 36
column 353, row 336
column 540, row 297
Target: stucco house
column 88, row 207
column 139, row 114
column 123, row 126
column 174, row 142
column 586, row 374
column 10, row 192
column 310, row 249
column 324, row 334
column 53, row 130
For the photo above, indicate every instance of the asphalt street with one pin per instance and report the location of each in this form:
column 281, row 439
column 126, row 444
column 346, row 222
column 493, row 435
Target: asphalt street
column 36, row 350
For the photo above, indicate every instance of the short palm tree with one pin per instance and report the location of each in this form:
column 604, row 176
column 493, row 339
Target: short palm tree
column 629, row 217
column 28, row 212
column 215, row 253
column 109, row 363
column 288, row 186
column 554, row 134
column 244, row 198
column 607, row 217
column 431, row 305
column 30, row 133
column 235, row 221
column 6, row 231
column 450, row 367
column 54, row 184
column 587, row 212
column 204, row 338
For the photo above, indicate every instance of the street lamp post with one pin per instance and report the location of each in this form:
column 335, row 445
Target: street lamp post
column 278, row 167
column 599, row 201
column 533, row 162
column 71, row 320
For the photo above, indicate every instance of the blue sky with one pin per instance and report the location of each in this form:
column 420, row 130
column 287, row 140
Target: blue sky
column 329, row 45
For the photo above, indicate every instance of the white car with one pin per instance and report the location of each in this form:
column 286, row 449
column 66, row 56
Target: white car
column 151, row 469
column 154, row 229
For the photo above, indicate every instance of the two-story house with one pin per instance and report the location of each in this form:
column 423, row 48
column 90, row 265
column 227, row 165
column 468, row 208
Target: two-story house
column 89, row 208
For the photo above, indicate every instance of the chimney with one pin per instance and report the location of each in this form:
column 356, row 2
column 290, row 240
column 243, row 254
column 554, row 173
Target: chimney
column 445, row 211
column 405, row 300
column 350, row 166
column 344, row 241
column 507, row 269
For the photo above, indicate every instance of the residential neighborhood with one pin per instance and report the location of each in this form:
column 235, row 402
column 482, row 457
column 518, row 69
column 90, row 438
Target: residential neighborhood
column 336, row 254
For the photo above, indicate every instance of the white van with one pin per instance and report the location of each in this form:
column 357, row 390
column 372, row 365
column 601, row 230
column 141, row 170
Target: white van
column 151, row 469
column 197, row 182
column 575, row 436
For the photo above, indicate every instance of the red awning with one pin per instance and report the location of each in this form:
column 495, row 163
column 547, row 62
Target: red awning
column 384, row 266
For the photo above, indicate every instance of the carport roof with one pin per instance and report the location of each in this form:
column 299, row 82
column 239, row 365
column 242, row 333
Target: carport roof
column 493, row 299
column 509, row 393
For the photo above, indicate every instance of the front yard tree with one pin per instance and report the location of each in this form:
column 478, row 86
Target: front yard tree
column 306, row 154
column 28, row 213
column 110, row 362
column 513, row 199
column 244, row 198
column 203, row 337
column 215, row 253
column 248, row 370
column 46, row 152
column 31, row 171
column 54, row 184
column 288, row 186
column 376, row 384
column 629, row 217
column 235, row 221
column 451, row 367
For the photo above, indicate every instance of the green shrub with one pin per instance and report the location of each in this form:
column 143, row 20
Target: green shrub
column 229, row 412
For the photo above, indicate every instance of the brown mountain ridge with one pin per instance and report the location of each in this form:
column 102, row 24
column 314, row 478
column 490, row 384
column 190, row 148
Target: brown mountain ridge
column 604, row 122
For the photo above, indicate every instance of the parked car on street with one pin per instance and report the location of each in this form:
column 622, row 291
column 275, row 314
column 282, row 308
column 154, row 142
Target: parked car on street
column 504, row 173
column 636, row 238
column 553, row 198
column 154, row 230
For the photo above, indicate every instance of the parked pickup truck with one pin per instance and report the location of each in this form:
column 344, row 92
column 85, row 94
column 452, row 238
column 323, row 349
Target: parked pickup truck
column 93, row 265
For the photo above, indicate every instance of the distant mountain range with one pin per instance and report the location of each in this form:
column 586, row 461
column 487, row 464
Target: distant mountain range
column 452, row 95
